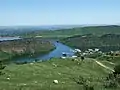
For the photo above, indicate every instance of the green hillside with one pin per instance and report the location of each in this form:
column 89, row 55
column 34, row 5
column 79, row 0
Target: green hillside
column 40, row 76
column 101, row 30
column 95, row 30
column 105, row 42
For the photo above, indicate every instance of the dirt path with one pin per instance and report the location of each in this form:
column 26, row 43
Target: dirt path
column 110, row 62
column 102, row 65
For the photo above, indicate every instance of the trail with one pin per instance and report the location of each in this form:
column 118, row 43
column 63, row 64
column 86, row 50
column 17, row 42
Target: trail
column 104, row 66
column 110, row 62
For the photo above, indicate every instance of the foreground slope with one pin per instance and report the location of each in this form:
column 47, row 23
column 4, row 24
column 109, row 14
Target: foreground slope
column 40, row 75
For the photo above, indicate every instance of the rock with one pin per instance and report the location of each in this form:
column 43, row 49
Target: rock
column 24, row 84
column 35, row 82
column 54, row 64
column 55, row 81
column 59, row 73
column 8, row 78
column 31, row 63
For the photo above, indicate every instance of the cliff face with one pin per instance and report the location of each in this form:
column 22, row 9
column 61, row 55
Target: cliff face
column 26, row 46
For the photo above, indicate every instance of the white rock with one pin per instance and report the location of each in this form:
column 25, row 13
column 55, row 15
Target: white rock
column 55, row 81
column 54, row 64
column 59, row 73
column 35, row 81
column 24, row 84
column 8, row 78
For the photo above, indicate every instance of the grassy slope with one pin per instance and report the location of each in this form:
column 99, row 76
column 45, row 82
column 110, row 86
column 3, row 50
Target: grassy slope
column 40, row 76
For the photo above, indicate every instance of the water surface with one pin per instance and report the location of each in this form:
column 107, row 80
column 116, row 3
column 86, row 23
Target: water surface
column 56, row 53
column 9, row 38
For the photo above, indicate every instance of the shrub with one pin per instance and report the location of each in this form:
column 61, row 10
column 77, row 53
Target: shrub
column 1, row 68
column 111, row 81
column 86, row 84
column 110, row 84
column 117, row 69
column 88, row 87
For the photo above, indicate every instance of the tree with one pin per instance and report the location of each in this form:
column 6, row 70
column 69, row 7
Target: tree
column 1, row 68
column 117, row 69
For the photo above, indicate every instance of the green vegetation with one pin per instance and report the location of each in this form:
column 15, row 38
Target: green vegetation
column 101, row 30
column 105, row 42
column 63, row 33
column 71, row 75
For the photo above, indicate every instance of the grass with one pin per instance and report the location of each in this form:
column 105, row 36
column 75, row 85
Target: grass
column 112, row 59
column 40, row 75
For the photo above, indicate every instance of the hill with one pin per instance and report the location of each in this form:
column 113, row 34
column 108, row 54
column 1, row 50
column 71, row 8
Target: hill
column 40, row 75
column 101, row 30
column 105, row 42
column 64, row 32
column 95, row 30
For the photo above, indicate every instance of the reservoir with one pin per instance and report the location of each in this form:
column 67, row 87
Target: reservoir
column 56, row 53
column 9, row 38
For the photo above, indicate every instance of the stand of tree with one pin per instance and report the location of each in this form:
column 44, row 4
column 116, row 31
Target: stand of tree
column 105, row 42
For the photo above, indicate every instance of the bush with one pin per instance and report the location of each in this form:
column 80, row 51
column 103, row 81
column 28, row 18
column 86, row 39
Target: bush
column 112, row 81
column 110, row 84
column 1, row 68
column 86, row 84
column 117, row 69
column 88, row 87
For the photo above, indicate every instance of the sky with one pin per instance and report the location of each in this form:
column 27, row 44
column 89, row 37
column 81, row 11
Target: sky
column 59, row 12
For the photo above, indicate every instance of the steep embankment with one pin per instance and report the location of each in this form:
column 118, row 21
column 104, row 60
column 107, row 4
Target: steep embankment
column 24, row 47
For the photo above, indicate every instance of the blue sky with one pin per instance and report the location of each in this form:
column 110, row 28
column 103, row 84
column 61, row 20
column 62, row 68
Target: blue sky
column 59, row 12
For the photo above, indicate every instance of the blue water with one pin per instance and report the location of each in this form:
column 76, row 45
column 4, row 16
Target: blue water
column 56, row 53
column 60, row 48
column 8, row 38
